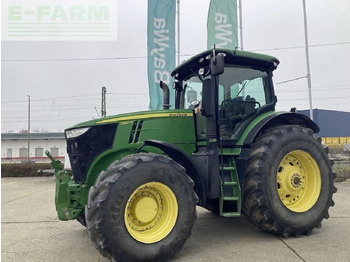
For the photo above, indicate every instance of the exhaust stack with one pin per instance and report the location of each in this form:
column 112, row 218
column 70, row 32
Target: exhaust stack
column 166, row 94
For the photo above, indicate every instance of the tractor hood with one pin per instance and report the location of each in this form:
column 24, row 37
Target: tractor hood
column 134, row 116
column 88, row 140
column 235, row 57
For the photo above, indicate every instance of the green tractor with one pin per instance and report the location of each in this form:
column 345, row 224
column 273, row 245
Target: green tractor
column 137, row 178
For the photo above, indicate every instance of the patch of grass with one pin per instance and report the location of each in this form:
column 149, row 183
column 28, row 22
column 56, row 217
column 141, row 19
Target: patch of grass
column 338, row 153
column 342, row 170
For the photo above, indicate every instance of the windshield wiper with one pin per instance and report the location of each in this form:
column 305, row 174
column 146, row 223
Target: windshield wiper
column 244, row 85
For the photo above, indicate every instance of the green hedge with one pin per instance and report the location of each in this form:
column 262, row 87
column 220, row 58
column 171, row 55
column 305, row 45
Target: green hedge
column 24, row 169
column 342, row 170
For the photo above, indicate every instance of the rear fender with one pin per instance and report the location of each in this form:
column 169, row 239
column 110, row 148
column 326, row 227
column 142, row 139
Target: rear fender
column 268, row 121
column 278, row 119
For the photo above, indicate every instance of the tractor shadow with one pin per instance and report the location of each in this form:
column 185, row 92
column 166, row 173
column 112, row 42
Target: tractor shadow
column 215, row 235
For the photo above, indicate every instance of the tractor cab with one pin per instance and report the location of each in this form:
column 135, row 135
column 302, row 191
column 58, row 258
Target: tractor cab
column 235, row 95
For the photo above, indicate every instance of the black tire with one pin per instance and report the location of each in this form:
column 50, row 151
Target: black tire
column 81, row 219
column 107, row 203
column 262, row 202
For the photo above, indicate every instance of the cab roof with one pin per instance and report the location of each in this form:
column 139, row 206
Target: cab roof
column 234, row 57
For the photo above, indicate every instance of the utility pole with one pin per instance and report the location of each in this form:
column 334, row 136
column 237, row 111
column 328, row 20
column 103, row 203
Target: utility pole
column 240, row 25
column 308, row 61
column 103, row 104
column 28, row 153
column 178, row 32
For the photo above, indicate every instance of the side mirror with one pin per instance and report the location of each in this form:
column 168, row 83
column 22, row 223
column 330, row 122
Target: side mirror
column 217, row 64
column 177, row 85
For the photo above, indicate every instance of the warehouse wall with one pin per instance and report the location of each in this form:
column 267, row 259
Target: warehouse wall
column 332, row 123
column 10, row 150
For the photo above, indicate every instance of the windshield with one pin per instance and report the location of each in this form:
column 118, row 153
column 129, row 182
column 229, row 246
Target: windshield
column 246, row 83
column 242, row 91
column 235, row 82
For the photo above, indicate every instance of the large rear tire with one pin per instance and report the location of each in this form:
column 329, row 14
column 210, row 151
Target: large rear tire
column 141, row 208
column 289, row 182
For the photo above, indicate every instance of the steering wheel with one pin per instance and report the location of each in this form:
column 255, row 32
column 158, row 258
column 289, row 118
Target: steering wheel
column 234, row 106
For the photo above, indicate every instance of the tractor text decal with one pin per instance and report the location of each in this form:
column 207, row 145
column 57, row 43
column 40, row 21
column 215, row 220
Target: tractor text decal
column 161, row 40
column 223, row 30
column 57, row 20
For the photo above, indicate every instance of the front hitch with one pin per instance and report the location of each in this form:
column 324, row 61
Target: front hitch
column 70, row 198
column 59, row 172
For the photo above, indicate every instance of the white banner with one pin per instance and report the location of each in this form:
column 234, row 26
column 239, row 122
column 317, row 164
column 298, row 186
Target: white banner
column 222, row 24
column 161, row 49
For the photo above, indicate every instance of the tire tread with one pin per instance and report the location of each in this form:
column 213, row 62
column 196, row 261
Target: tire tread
column 98, row 196
column 255, row 206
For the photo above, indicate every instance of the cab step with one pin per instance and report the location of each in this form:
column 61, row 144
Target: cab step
column 230, row 199
column 228, row 168
column 229, row 183
column 231, row 214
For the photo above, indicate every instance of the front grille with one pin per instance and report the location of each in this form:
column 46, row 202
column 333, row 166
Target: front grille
column 82, row 150
column 135, row 131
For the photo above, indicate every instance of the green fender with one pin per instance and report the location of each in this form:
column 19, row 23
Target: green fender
column 263, row 122
column 272, row 119
column 104, row 160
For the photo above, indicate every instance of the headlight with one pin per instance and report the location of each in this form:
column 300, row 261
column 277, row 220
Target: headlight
column 76, row 132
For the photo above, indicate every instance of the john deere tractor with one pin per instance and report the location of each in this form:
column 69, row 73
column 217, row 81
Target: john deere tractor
column 138, row 177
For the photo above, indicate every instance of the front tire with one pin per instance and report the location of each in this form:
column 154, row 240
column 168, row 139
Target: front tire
column 141, row 208
column 289, row 182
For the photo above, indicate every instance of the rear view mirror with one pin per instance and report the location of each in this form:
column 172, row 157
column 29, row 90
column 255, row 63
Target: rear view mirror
column 217, row 64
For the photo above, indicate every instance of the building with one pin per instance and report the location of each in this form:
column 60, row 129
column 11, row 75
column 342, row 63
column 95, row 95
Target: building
column 332, row 123
column 14, row 147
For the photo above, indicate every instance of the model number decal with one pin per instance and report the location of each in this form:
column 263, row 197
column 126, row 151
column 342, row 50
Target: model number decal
column 179, row 115
column 125, row 123
column 124, row 120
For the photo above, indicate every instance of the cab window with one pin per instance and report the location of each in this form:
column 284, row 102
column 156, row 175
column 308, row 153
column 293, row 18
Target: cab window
column 242, row 91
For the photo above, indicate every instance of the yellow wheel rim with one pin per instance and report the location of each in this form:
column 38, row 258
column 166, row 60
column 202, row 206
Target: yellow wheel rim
column 151, row 212
column 298, row 181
